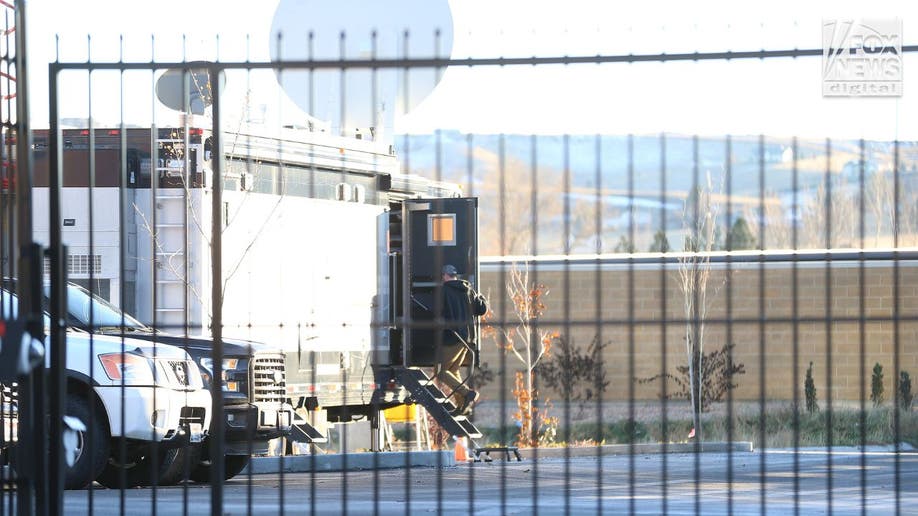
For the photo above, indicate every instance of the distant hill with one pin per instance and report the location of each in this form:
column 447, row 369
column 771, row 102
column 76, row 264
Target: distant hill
column 579, row 174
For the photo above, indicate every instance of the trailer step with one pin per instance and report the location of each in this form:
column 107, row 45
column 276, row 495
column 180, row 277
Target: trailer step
column 425, row 393
column 432, row 388
column 303, row 432
column 471, row 431
column 440, row 398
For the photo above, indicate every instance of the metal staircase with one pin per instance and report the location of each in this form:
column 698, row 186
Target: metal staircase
column 424, row 392
column 302, row 431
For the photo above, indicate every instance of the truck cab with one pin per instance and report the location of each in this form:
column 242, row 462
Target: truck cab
column 143, row 404
column 254, row 380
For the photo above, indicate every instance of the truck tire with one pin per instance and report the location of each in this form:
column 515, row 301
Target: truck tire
column 232, row 466
column 171, row 469
column 86, row 468
column 181, row 466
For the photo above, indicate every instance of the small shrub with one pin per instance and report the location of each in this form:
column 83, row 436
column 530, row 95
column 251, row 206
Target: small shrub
column 809, row 390
column 481, row 376
column 905, row 391
column 499, row 436
column 589, row 431
column 622, row 431
column 717, row 374
column 876, row 385
column 577, row 374
column 628, row 430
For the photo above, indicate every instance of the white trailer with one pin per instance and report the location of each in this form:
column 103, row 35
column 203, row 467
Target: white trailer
column 306, row 258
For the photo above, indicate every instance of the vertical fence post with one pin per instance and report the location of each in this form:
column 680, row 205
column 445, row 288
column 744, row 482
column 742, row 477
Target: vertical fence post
column 58, row 342
column 30, row 257
column 216, row 248
column 23, row 152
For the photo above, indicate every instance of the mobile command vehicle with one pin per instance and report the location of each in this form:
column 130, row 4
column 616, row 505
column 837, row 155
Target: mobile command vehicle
column 330, row 255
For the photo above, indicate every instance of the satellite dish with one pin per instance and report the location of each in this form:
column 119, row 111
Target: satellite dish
column 348, row 100
column 187, row 90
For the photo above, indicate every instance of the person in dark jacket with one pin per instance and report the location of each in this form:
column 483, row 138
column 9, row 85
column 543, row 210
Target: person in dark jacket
column 460, row 305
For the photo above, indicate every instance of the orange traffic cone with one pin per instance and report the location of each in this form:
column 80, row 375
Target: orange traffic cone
column 459, row 452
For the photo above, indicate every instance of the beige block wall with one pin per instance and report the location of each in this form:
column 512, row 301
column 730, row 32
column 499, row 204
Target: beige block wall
column 779, row 317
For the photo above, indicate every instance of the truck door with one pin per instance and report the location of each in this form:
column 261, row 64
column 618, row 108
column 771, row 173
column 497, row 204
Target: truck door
column 435, row 232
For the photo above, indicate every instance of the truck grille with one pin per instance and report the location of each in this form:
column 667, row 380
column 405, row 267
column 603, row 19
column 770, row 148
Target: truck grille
column 180, row 370
column 9, row 413
column 189, row 415
column 269, row 378
column 180, row 373
column 9, row 393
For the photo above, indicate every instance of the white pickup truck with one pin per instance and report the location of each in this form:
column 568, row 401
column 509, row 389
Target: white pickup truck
column 142, row 392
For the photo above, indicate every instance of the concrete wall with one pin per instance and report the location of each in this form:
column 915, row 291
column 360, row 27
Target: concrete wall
column 751, row 304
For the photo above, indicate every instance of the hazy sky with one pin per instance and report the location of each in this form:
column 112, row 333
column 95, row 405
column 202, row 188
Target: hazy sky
column 775, row 97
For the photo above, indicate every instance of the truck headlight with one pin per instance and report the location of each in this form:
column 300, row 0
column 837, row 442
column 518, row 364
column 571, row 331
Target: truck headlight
column 229, row 373
column 127, row 367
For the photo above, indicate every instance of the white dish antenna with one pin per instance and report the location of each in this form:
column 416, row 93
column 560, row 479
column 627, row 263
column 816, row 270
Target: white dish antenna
column 347, row 99
column 187, row 90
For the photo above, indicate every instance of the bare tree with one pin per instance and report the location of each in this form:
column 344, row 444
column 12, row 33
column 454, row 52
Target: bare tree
column 881, row 199
column 699, row 218
column 822, row 232
column 909, row 217
column 773, row 216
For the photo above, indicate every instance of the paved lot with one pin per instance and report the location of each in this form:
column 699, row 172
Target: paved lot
column 650, row 484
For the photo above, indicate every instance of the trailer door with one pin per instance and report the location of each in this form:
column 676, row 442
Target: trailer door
column 436, row 232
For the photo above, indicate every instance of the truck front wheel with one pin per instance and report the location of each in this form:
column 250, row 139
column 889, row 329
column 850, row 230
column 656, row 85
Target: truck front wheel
column 232, row 466
column 171, row 467
column 92, row 445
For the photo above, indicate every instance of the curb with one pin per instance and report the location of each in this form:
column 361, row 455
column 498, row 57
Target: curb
column 446, row 458
column 349, row 462
column 639, row 449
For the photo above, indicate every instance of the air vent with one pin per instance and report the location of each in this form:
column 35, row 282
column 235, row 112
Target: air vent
column 79, row 265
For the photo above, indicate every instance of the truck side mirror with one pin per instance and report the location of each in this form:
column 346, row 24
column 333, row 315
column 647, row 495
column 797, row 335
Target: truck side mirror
column 19, row 351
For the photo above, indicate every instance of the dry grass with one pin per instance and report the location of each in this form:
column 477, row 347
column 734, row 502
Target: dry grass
column 779, row 423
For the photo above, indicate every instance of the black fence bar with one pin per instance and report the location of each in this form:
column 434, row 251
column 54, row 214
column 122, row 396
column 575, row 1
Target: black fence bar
column 411, row 63
column 53, row 458
column 897, row 328
column 216, row 256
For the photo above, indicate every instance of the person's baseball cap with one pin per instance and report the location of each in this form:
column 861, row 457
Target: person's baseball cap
column 450, row 270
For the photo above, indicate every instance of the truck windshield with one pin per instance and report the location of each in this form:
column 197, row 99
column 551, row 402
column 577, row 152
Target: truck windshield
column 11, row 308
column 81, row 304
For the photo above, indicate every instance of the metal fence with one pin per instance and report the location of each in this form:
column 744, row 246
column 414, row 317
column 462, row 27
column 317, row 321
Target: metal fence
column 247, row 315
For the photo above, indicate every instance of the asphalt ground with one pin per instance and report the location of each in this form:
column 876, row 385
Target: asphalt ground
column 810, row 481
